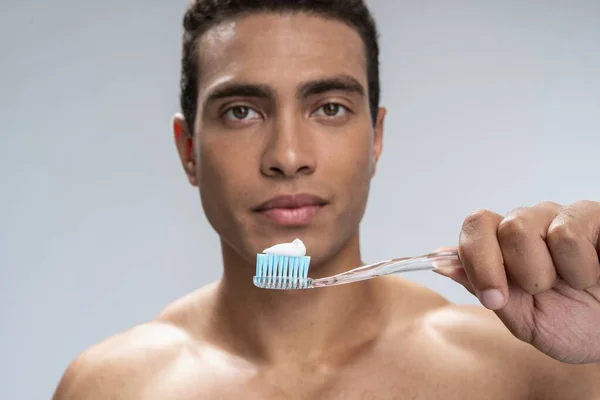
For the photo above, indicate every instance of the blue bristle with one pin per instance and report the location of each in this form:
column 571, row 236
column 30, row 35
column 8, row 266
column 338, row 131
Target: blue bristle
column 279, row 266
column 299, row 263
column 295, row 262
column 259, row 265
column 273, row 271
column 285, row 267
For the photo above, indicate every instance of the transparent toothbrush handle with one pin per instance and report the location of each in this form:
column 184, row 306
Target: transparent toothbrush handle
column 441, row 259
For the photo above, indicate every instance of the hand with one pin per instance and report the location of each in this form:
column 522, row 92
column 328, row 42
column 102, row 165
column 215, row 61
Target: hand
column 538, row 269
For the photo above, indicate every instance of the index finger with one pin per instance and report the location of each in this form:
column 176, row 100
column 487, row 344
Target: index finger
column 481, row 255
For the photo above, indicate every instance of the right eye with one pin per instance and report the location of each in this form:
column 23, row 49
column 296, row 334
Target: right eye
column 240, row 113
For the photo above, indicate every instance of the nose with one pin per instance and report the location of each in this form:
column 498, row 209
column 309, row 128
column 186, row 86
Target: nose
column 289, row 152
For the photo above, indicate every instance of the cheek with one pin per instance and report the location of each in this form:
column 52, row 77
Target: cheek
column 224, row 181
column 349, row 169
column 211, row 168
column 352, row 162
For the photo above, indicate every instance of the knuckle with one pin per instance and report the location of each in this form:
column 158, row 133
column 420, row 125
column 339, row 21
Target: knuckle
column 562, row 234
column 475, row 220
column 569, row 213
column 513, row 228
column 583, row 217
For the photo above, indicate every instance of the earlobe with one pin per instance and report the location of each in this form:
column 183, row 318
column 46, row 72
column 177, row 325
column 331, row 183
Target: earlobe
column 185, row 147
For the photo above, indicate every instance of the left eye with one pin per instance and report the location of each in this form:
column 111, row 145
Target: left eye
column 332, row 110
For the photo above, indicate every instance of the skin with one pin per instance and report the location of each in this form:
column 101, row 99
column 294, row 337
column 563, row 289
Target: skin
column 383, row 338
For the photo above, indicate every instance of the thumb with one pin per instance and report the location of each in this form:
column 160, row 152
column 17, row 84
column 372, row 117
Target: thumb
column 458, row 275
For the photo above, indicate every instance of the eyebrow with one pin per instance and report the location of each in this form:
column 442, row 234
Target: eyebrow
column 239, row 90
column 344, row 83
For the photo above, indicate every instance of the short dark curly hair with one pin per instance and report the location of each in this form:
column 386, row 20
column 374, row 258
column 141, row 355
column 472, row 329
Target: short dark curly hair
column 201, row 15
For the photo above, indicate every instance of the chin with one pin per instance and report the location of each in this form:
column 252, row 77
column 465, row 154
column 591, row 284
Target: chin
column 323, row 242
column 324, row 249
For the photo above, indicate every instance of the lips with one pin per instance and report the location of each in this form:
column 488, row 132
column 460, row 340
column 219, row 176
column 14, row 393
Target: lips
column 291, row 210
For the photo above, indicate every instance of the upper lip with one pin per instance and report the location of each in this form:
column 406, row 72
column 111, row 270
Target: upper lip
column 291, row 201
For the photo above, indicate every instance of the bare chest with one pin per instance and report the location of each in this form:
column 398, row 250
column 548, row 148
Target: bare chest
column 370, row 378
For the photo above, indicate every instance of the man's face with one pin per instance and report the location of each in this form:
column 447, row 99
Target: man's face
column 283, row 110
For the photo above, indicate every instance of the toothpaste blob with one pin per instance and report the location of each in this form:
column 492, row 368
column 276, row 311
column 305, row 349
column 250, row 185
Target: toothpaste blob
column 294, row 249
column 283, row 266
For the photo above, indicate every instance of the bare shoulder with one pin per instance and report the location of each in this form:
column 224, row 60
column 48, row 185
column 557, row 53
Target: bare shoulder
column 468, row 328
column 477, row 331
column 471, row 328
column 465, row 342
column 123, row 364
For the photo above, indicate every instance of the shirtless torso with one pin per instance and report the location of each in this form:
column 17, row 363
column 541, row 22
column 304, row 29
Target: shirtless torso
column 281, row 132
column 429, row 349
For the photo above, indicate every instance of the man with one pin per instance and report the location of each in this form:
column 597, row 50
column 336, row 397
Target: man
column 281, row 132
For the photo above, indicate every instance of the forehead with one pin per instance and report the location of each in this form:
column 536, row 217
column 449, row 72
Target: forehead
column 281, row 50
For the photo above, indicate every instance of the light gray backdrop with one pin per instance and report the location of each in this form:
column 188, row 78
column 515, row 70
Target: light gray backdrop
column 491, row 104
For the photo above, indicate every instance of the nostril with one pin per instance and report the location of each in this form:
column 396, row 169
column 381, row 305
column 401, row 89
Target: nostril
column 275, row 171
column 304, row 169
column 281, row 172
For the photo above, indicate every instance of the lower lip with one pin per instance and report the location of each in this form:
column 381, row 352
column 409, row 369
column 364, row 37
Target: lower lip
column 292, row 216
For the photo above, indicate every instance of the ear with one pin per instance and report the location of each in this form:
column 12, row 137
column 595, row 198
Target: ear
column 378, row 138
column 185, row 147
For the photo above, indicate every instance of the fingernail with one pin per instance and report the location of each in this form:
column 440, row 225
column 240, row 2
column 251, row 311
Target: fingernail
column 492, row 299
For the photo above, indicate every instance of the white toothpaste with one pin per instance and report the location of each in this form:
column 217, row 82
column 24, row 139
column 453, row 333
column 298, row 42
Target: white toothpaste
column 294, row 249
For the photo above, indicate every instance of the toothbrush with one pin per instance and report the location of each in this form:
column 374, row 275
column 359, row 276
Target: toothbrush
column 288, row 272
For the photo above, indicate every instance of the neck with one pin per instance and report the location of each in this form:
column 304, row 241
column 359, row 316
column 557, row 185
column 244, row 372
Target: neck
column 310, row 325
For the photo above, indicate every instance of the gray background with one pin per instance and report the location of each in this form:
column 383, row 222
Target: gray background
column 491, row 104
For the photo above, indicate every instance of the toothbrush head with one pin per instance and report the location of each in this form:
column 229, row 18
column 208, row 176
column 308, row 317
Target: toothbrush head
column 282, row 272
